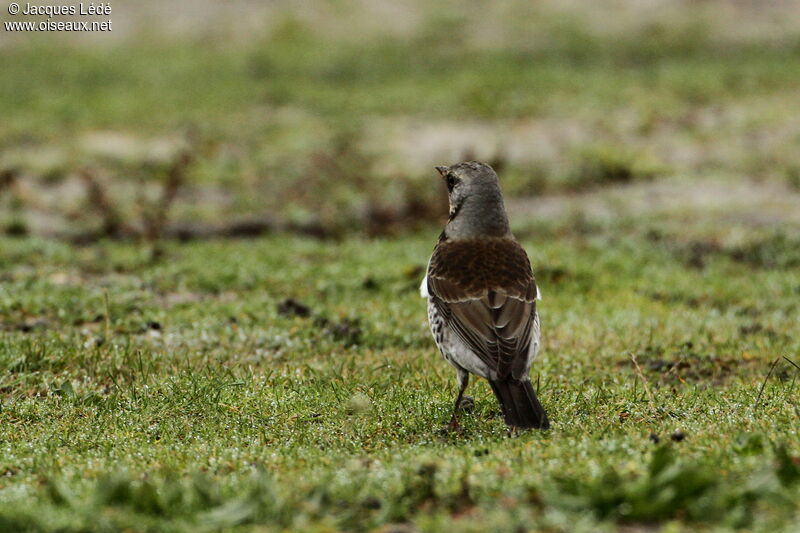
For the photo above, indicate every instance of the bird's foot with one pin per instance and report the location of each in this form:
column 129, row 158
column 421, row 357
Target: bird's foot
column 467, row 404
column 452, row 427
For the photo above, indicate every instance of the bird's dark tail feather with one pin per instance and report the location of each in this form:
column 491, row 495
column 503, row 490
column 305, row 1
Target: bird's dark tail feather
column 521, row 407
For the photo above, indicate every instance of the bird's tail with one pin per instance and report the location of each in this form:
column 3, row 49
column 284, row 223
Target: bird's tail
column 521, row 407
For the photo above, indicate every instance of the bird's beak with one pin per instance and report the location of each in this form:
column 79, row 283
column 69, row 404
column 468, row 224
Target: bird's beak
column 442, row 170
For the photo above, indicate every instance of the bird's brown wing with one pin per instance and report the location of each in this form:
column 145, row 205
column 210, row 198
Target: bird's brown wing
column 486, row 292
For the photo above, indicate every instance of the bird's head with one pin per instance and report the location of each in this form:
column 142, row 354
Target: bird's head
column 476, row 203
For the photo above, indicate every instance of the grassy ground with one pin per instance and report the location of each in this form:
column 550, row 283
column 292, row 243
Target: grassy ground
column 178, row 395
column 360, row 117
column 290, row 383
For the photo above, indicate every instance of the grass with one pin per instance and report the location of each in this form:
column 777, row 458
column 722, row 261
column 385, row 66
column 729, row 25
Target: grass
column 175, row 396
column 267, row 115
column 290, row 383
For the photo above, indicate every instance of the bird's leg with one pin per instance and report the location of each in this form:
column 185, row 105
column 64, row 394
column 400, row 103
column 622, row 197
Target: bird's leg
column 463, row 381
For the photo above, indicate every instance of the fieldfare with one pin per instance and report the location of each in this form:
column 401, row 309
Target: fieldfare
column 482, row 296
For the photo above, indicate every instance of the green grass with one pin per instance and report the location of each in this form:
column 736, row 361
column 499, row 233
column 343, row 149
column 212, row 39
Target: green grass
column 432, row 73
column 163, row 387
column 266, row 114
column 174, row 396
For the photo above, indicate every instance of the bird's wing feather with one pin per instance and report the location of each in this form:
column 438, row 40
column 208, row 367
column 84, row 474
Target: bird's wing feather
column 486, row 292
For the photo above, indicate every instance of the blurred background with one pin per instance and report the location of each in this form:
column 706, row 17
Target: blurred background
column 202, row 118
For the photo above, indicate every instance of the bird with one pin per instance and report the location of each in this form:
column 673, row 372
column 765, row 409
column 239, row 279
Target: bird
column 482, row 296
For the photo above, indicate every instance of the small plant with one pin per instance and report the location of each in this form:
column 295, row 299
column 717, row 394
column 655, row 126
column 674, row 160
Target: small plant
column 793, row 177
column 668, row 489
column 777, row 250
column 153, row 214
column 604, row 165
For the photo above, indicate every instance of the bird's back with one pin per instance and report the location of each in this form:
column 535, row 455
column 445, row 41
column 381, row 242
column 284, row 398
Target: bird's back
column 485, row 290
column 477, row 266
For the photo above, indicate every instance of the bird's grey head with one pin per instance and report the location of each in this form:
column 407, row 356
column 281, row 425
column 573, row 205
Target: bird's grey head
column 476, row 203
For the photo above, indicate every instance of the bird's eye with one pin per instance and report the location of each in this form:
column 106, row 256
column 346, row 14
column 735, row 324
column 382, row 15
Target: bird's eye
column 451, row 182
